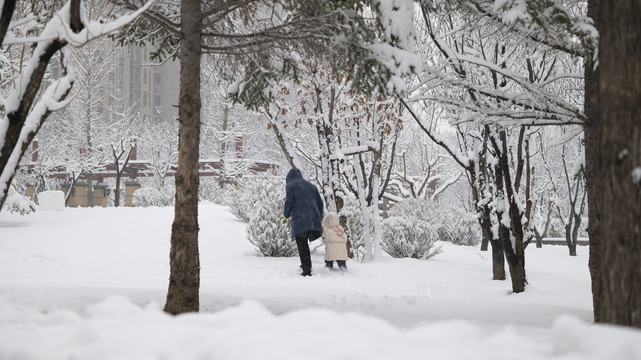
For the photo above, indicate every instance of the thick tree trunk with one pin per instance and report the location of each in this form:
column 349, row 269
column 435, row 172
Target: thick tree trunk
column 498, row 259
column 592, row 132
column 484, row 243
column 184, row 278
column 516, row 263
column 8, row 7
column 515, row 252
column 620, row 170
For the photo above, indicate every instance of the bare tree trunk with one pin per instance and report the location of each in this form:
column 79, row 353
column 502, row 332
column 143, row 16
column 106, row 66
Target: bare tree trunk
column 89, row 150
column 620, row 167
column 479, row 181
column 184, row 278
column 222, row 174
column 119, row 169
column 117, row 191
column 571, row 242
column 540, row 235
column 514, row 253
column 72, row 186
column 89, row 179
column 485, row 243
column 8, row 7
column 592, row 132
column 498, row 259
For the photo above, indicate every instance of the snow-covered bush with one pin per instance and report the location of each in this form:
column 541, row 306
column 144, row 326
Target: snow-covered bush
column 242, row 200
column 209, row 190
column 460, row 228
column 265, row 230
column 412, row 229
column 355, row 224
column 152, row 196
column 409, row 237
column 18, row 203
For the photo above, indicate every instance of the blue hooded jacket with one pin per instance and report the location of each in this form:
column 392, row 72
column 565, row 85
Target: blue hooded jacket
column 304, row 204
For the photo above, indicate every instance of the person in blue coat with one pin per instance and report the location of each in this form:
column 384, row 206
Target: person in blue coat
column 305, row 206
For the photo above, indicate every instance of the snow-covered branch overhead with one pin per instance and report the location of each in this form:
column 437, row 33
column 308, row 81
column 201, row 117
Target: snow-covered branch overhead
column 22, row 119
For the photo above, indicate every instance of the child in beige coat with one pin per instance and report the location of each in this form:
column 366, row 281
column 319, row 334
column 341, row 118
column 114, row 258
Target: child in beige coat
column 336, row 242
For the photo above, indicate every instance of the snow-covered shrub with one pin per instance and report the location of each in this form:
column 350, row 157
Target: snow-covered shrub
column 265, row 230
column 209, row 190
column 412, row 229
column 460, row 228
column 242, row 200
column 18, row 203
column 354, row 227
column 151, row 196
column 409, row 237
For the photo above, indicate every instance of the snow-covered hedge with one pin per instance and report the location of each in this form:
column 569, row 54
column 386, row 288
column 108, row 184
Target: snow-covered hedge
column 412, row 230
column 265, row 230
column 152, row 196
column 18, row 203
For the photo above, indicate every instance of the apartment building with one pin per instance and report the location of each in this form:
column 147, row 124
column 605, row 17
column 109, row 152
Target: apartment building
column 137, row 84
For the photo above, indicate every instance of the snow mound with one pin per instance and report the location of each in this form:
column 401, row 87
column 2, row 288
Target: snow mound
column 118, row 329
column 53, row 200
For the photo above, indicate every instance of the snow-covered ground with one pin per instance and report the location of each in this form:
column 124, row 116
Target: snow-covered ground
column 91, row 283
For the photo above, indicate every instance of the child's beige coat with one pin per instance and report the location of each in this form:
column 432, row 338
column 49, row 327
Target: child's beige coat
column 335, row 247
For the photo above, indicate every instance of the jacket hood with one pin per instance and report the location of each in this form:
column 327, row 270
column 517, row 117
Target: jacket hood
column 293, row 175
column 331, row 219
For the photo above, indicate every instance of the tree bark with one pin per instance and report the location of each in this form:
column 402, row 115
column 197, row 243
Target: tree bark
column 8, row 7
column 184, row 278
column 89, row 178
column 592, row 131
column 485, row 241
column 514, row 252
column 498, row 259
column 620, row 145
column 222, row 174
column 120, row 170
column 571, row 242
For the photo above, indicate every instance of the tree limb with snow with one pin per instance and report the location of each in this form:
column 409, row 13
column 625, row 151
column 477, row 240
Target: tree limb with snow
column 24, row 112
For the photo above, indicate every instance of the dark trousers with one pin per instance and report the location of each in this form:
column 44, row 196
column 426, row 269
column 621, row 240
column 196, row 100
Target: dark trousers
column 302, row 242
column 341, row 264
